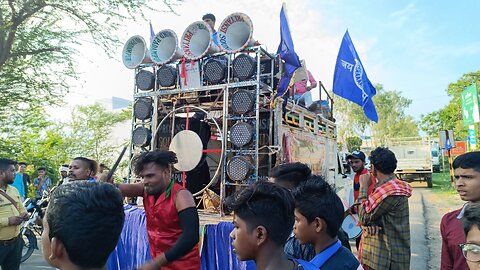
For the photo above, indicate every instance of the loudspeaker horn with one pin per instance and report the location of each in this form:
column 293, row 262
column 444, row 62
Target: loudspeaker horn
column 235, row 33
column 135, row 52
column 197, row 41
column 164, row 47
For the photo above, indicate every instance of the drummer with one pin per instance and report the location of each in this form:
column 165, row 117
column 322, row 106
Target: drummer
column 357, row 162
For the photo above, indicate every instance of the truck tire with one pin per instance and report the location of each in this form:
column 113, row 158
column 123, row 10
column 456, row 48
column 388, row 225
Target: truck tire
column 429, row 181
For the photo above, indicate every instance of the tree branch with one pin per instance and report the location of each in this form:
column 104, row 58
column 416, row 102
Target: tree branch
column 23, row 15
column 10, row 4
column 35, row 52
column 2, row 32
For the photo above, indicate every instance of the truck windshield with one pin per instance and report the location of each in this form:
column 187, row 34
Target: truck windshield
column 434, row 154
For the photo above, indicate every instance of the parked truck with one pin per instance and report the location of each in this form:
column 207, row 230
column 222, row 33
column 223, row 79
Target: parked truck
column 414, row 158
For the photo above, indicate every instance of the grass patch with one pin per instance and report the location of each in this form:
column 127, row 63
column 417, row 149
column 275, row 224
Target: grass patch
column 442, row 183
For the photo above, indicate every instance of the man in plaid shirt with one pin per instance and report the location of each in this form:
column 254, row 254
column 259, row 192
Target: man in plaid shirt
column 384, row 215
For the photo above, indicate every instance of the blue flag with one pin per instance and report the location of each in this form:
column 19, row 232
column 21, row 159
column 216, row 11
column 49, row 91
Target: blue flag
column 350, row 80
column 287, row 54
column 152, row 33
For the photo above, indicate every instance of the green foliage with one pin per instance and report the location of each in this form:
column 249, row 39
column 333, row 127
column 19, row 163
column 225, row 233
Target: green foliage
column 354, row 143
column 450, row 117
column 38, row 41
column 31, row 137
column 89, row 132
column 392, row 121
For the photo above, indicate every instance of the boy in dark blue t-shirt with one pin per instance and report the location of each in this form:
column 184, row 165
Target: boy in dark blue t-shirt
column 318, row 217
column 263, row 219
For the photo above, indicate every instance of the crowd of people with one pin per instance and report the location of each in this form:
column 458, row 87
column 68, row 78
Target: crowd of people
column 292, row 221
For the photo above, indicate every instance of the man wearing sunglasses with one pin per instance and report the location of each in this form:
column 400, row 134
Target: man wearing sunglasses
column 471, row 226
column 467, row 174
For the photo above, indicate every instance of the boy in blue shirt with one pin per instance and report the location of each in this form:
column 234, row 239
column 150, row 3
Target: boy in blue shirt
column 318, row 217
column 263, row 219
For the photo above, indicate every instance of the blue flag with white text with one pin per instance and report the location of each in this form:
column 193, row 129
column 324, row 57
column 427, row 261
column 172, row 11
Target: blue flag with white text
column 350, row 80
column 287, row 54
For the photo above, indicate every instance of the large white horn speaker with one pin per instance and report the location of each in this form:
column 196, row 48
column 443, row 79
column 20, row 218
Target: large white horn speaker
column 135, row 52
column 235, row 33
column 197, row 41
column 164, row 47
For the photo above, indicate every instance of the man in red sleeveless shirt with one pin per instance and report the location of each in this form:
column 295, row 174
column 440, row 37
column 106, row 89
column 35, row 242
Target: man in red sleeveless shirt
column 172, row 217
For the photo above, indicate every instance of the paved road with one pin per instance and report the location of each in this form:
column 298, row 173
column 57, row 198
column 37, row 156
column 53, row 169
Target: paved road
column 426, row 211
column 418, row 230
column 36, row 261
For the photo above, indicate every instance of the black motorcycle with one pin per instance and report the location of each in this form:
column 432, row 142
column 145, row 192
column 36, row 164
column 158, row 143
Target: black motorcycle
column 33, row 226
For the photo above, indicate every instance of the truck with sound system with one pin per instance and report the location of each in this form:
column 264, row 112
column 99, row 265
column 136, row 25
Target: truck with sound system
column 218, row 109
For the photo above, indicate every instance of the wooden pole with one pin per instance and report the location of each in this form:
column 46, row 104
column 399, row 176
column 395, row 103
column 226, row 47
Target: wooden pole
column 450, row 163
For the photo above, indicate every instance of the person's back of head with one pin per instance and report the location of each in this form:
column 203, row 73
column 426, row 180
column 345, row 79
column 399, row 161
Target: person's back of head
column 83, row 223
column 264, row 207
column 469, row 160
column 383, row 160
column 290, row 175
column 315, row 199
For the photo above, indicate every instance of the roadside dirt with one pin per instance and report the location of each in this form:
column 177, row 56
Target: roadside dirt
column 435, row 206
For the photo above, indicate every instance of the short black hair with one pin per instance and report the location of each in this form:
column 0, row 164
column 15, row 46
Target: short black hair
column 161, row 158
column 265, row 204
column 5, row 163
column 91, row 164
column 41, row 169
column 88, row 218
column 316, row 198
column 294, row 173
column 22, row 163
column 471, row 216
column 65, row 165
column 384, row 160
column 209, row 16
column 469, row 160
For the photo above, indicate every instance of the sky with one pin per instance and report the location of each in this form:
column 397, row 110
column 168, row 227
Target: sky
column 415, row 47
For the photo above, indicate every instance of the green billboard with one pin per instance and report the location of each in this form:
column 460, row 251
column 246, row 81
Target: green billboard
column 470, row 105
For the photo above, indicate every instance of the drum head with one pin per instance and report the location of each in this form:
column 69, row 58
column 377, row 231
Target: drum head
column 188, row 147
column 351, row 227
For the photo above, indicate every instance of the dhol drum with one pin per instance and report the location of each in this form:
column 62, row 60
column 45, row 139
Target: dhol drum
column 351, row 227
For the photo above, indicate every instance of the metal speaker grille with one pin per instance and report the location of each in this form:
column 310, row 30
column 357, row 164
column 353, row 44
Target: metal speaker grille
column 142, row 109
column 241, row 134
column 141, row 136
column 244, row 67
column 145, row 80
column 238, row 168
column 214, row 71
column 242, row 101
column 167, row 76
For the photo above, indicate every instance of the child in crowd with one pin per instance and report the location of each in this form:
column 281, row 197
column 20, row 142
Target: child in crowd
column 263, row 220
column 318, row 216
